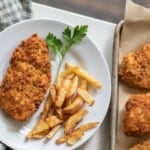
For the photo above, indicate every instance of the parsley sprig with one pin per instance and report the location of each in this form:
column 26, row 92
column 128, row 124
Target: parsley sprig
column 70, row 37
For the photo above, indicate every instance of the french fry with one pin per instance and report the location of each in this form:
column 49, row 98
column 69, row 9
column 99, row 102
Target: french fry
column 59, row 112
column 87, row 126
column 84, row 75
column 77, row 134
column 75, row 106
column 62, row 92
column 46, row 109
column 86, row 96
column 73, row 120
column 69, row 100
column 51, row 112
column 40, row 135
column 40, row 127
column 53, row 131
column 64, row 138
column 61, row 76
column 73, row 87
column 70, row 76
column 75, row 137
column 83, row 84
column 53, row 93
column 53, row 120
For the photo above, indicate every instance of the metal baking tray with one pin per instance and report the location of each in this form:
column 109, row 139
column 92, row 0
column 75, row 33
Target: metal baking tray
column 114, row 100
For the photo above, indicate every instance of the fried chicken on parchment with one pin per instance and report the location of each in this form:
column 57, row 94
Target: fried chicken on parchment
column 137, row 116
column 26, row 80
column 144, row 145
column 135, row 68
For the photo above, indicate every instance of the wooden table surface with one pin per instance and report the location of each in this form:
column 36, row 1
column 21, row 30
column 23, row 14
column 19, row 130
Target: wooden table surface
column 109, row 10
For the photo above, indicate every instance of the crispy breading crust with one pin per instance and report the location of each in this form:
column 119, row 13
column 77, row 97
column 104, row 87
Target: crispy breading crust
column 137, row 116
column 144, row 145
column 135, row 68
column 26, row 80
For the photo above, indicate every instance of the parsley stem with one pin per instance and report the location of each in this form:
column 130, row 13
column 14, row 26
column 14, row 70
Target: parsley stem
column 59, row 66
column 71, row 37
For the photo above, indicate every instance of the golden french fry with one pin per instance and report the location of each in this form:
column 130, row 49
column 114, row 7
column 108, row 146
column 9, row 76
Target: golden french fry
column 86, row 96
column 73, row 87
column 79, row 132
column 61, row 76
column 53, row 120
column 53, row 131
column 40, row 135
column 75, row 106
column 75, row 137
column 69, row 100
column 84, row 75
column 62, row 139
column 46, row 109
column 73, row 120
column 70, row 76
column 59, row 112
column 62, row 92
column 53, row 93
column 87, row 126
column 40, row 127
column 83, row 84
column 51, row 112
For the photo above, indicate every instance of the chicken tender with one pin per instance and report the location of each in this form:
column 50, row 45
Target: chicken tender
column 137, row 116
column 26, row 80
column 135, row 68
column 145, row 145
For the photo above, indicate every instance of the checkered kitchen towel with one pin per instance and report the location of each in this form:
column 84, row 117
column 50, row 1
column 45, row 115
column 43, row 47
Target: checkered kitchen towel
column 12, row 11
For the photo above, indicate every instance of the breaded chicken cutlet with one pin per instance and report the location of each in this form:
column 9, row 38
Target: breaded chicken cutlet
column 135, row 68
column 26, row 80
column 137, row 116
column 145, row 145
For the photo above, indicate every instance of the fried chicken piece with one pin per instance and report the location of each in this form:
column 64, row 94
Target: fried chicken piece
column 135, row 68
column 26, row 80
column 137, row 116
column 144, row 145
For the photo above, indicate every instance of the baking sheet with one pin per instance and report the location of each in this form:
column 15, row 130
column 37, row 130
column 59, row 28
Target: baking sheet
column 134, row 34
column 114, row 100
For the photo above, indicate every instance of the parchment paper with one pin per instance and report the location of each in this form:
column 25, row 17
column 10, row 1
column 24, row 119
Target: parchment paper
column 135, row 33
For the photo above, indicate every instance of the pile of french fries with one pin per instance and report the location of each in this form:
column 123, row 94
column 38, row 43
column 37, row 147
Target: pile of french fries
column 65, row 107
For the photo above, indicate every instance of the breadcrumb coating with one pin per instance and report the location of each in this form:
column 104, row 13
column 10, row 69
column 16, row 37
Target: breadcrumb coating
column 137, row 116
column 144, row 145
column 134, row 69
column 26, row 80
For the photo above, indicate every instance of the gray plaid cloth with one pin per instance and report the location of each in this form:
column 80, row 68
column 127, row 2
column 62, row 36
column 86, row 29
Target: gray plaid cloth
column 12, row 11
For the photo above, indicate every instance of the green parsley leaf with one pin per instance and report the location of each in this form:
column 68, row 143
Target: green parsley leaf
column 67, row 34
column 79, row 33
column 54, row 43
column 71, row 37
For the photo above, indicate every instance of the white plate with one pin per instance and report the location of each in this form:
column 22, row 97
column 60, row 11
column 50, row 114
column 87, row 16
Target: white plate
column 85, row 54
